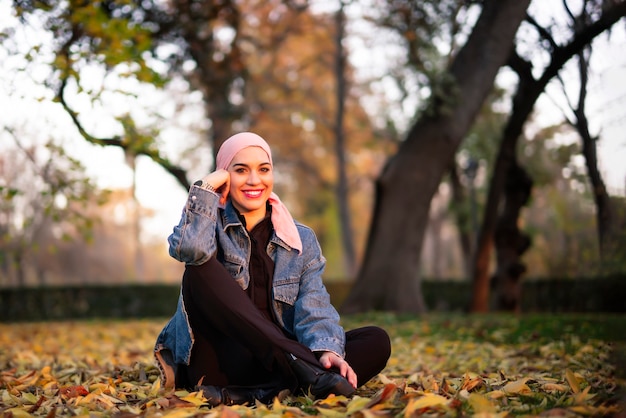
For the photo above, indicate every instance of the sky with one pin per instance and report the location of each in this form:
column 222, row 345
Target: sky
column 20, row 106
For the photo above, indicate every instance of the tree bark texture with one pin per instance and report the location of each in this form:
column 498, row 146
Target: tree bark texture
column 389, row 277
column 528, row 91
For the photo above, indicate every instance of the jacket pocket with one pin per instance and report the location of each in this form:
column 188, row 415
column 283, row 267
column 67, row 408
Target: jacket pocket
column 234, row 265
column 286, row 291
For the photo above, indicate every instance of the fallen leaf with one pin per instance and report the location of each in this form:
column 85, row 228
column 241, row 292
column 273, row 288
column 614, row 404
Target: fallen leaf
column 481, row 404
column 428, row 400
column 572, row 381
column 518, row 386
column 73, row 391
column 382, row 395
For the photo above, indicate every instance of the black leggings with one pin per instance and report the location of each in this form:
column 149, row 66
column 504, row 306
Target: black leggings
column 235, row 345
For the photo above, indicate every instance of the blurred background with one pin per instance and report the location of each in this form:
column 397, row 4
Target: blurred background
column 109, row 110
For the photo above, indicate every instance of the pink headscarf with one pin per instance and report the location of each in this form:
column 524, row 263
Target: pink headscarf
column 281, row 218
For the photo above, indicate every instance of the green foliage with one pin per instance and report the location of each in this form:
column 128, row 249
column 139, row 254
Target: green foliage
column 114, row 36
column 110, row 33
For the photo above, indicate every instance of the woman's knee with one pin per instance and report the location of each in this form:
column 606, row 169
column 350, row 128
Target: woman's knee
column 375, row 339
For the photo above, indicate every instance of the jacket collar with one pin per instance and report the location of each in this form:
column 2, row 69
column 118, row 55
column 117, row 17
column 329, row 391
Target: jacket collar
column 230, row 219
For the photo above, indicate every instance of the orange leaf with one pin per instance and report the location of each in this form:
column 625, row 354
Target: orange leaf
column 381, row 396
column 469, row 383
column 73, row 391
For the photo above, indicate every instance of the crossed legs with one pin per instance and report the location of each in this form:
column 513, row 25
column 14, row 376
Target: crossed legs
column 234, row 344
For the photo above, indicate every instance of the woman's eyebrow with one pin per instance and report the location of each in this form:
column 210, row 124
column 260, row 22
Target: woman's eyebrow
column 246, row 165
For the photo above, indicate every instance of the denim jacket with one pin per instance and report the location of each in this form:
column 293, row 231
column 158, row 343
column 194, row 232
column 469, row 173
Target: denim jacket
column 300, row 301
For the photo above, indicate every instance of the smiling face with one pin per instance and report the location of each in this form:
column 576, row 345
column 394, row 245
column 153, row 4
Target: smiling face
column 251, row 183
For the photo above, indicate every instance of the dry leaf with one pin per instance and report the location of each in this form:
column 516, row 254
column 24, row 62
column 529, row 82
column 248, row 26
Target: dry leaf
column 518, row 386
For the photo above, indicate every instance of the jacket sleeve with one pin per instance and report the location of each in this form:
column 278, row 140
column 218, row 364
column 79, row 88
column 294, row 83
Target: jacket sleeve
column 193, row 240
column 316, row 321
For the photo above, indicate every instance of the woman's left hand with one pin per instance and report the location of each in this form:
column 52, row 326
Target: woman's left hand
column 329, row 360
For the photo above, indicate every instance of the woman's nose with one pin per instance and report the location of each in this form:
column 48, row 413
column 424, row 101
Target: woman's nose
column 253, row 178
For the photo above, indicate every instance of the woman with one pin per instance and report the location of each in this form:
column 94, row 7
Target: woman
column 254, row 318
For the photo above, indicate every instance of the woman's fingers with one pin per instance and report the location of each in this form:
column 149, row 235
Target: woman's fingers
column 329, row 359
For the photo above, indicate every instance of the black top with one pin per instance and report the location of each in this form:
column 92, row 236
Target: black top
column 261, row 265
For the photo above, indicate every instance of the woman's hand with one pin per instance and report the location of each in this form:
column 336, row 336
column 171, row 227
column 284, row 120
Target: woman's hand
column 220, row 181
column 329, row 360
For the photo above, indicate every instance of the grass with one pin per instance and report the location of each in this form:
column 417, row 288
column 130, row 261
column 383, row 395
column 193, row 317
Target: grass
column 441, row 365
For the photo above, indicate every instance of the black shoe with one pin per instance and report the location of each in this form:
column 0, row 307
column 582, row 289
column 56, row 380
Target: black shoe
column 212, row 394
column 318, row 381
column 238, row 395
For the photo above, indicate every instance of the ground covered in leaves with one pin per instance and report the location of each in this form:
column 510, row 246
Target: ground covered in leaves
column 441, row 365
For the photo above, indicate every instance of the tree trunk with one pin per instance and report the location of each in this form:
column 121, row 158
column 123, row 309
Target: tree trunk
column 389, row 278
column 342, row 188
column 20, row 268
column 510, row 242
column 215, row 78
column 604, row 215
column 528, row 91
column 464, row 221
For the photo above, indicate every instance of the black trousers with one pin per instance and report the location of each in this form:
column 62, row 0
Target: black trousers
column 235, row 345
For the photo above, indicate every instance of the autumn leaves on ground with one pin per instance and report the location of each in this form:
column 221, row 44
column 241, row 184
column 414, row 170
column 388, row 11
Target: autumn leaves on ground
column 440, row 366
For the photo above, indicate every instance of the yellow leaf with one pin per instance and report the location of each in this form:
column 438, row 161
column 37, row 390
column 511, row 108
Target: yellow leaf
column 519, row 386
column 156, row 386
column 332, row 413
column 385, row 380
column 572, row 380
column 195, row 398
column 9, row 399
column 496, row 394
column 554, row 387
column 582, row 409
column 180, row 413
column 356, row 404
column 29, row 398
column 481, row 404
column 105, row 401
column 17, row 413
column 429, row 400
column 46, row 375
column 109, row 399
column 333, row 401
column 101, row 386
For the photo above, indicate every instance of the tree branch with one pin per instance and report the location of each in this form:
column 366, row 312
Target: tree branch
column 144, row 149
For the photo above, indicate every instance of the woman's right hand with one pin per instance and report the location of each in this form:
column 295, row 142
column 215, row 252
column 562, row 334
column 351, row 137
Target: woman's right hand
column 220, row 181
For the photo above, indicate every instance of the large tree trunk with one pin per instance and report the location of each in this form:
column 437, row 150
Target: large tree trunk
column 528, row 91
column 389, row 278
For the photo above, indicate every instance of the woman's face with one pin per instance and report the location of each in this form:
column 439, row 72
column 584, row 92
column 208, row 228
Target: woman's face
column 251, row 181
